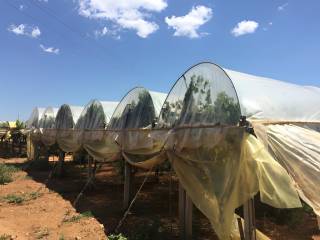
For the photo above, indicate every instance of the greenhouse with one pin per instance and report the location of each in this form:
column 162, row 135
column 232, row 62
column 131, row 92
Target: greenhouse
column 138, row 109
column 228, row 136
column 67, row 116
column 48, row 118
column 33, row 121
column 96, row 115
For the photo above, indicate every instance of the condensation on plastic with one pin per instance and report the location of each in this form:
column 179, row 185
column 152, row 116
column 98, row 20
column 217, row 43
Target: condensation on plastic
column 138, row 109
column 223, row 167
column 265, row 98
column 33, row 121
column 204, row 95
column 297, row 150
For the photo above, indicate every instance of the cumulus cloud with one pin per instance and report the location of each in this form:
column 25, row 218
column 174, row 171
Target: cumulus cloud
column 283, row 6
column 244, row 27
column 24, row 29
column 126, row 14
column 189, row 24
column 50, row 49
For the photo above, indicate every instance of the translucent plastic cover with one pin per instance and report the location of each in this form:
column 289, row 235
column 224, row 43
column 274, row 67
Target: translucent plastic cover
column 138, row 109
column 48, row 118
column 203, row 95
column 96, row 115
column 265, row 98
column 33, row 121
column 67, row 116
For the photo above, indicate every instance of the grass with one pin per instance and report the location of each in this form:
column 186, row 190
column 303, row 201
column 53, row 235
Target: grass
column 20, row 198
column 5, row 237
column 6, row 173
column 41, row 233
column 78, row 217
column 117, row 237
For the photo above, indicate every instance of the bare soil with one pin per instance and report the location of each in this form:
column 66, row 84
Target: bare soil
column 153, row 216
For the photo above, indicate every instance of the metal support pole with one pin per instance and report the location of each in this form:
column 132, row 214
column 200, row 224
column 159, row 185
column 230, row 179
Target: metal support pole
column 128, row 184
column 249, row 220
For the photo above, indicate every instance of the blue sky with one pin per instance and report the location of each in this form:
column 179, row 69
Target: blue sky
column 63, row 51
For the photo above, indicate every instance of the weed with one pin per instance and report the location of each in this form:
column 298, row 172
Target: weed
column 41, row 233
column 78, row 217
column 5, row 237
column 117, row 237
column 61, row 237
column 6, row 173
column 20, row 198
column 13, row 198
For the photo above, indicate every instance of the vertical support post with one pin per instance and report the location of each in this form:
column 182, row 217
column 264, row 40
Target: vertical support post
column 188, row 218
column 90, row 160
column 182, row 213
column 127, row 187
column 318, row 219
column 60, row 163
column 185, row 214
column 249, row 220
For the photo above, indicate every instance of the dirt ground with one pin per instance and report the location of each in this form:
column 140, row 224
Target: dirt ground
column 42, row 214
column 153, row 216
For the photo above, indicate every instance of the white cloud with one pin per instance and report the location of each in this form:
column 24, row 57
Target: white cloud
column 189, row 24
column 21, row 7
column 113, row 32
column 50, row 49
column 283, row 6
column 35, row 32
column 126, row 14
column 24, row 29
column 244, row 27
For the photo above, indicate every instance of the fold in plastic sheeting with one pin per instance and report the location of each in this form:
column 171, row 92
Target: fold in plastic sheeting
column 297, row 149
column 221, row 168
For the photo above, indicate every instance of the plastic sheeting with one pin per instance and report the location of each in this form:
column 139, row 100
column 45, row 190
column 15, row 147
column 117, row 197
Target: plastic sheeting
column 67, row 116
column 203, row 95
column 33, row 121
column 221, row 168
column 48, row 118
column 96, row 115
column 66, row 119
column 138, row 109
column 265, row 98
column 297, row 149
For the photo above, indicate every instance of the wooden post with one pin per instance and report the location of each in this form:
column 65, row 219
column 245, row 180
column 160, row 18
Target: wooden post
column 127, row 187
column 60, row 163
column 249, row 220
column 188, row 218
column 182, row 211
column 90, row 160
column 185, row 214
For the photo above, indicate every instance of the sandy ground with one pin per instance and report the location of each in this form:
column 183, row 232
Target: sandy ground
column 156, row 209
column 46, row 216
